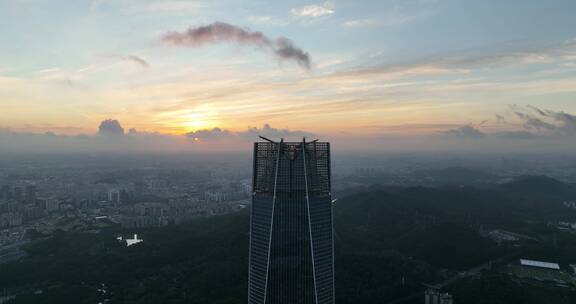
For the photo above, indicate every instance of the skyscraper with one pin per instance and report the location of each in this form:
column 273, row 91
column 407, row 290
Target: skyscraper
column 30, row 194
column 291, row 224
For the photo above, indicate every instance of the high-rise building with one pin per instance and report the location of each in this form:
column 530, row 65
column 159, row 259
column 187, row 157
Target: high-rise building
column 30, row 194
column 18, row 194
column 5, row 193
column 434, row 296
column 114, row 196
column 291, row 224
column 446, row 299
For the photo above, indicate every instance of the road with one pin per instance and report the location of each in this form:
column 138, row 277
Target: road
column 460, row 275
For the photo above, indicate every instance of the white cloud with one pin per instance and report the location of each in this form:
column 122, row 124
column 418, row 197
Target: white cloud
column 314, row 10
column 361, row 23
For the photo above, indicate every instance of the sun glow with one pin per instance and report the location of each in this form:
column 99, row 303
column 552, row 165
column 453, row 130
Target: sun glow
column 199, row 121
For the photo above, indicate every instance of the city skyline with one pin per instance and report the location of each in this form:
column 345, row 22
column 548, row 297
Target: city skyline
column 403, row 71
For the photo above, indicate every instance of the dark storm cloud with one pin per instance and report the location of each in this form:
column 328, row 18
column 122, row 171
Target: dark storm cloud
column 110, row 127
column 219, row 32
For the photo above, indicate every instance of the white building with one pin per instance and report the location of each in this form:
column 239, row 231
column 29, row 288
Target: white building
column 539, row 264
column 135, row 240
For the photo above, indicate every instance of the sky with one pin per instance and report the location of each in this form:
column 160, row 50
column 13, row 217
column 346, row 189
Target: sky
column 472, row 73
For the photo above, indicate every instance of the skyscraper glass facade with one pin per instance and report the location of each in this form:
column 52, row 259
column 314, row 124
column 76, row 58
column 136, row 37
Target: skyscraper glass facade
column 291, row 224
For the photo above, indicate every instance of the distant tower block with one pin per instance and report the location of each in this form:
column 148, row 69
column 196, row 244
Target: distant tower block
column 433, row 296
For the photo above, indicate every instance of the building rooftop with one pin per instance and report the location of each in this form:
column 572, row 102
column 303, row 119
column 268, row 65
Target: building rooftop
column 539, row 264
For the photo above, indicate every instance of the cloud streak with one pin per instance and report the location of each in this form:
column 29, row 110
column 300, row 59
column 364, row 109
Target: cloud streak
column 532, row 123
column 468, row 60
column 473, row 132
column 137, row 60
column 555, row 123
column 220, row 32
